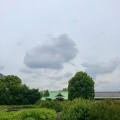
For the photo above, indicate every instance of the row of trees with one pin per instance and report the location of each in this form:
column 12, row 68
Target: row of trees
column 12, row 91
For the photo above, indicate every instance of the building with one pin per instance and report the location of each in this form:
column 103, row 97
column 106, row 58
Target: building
column 63, row 95
column 106, row 95
column 54, row 95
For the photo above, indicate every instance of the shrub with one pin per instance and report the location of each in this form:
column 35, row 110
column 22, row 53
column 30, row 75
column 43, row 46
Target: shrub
column 104, row 110
column 7, row 115
column 29, row 114
column 75, row 110
column 56, row 105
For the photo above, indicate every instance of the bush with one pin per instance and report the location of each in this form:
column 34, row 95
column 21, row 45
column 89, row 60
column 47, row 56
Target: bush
column 29, row 114
column 7, row 115
column 75, row 110
column 55, row 105
column 104, row 110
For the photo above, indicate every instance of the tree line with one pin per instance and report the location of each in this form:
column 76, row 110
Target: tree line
column 13, row 92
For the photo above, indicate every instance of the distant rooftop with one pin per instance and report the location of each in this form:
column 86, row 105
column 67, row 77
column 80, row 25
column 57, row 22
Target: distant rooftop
column 53, row 95
column 98, row 95
column 107, row 94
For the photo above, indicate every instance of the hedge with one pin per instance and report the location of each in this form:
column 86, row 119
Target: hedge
column 29, row 114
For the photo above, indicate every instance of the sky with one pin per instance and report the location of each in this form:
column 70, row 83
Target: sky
column 45, row 42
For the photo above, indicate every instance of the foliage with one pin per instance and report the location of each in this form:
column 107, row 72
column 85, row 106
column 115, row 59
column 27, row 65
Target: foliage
column 29, row 114
column 65, row 89
column 56, row 105
column 77, row 110
column 81, row 86
column 46, row 93
column 13, row 92
column 9, row 86
column 7, row 115
column 37, row 114
column 41, row 94
column 105, row 110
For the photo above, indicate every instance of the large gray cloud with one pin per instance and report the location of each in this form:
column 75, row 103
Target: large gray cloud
column 53, row 54
column 101, row 68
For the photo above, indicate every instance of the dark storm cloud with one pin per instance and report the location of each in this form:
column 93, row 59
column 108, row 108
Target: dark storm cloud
column 101, row 68
column 52, row 55
column 1, row 67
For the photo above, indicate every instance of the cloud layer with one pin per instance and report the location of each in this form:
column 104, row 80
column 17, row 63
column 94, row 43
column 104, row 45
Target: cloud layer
column 101, row 68
column 53, row 54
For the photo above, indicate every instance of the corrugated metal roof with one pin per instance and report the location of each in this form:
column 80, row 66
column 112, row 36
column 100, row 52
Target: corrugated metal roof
column 107, row 94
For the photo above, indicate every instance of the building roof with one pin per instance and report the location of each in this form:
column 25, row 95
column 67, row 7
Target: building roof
column 98, row 95
column 107, row 94
column 53, row 95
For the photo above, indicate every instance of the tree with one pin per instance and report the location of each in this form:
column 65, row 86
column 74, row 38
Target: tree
column 81, row 85
column 33, row 95
column 11, row 86
column 12, row 92
column 46, row 93
column 3, row 92
column 65, row 89
column 41, row 94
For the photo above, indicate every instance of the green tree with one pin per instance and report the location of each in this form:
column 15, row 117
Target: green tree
column 12, row 92
column 65, row 89
column 81, row 85
column 33, row 96
column 11, row 85
column 41, row 94
column 46, row 93
column 3, row 92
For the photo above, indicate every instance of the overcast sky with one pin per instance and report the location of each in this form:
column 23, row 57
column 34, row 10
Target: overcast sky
column 45, row 42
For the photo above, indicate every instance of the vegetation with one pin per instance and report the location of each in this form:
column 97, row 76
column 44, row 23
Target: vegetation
column 65, row 89
column 29, row 114
column 55, row 105
column 13, row 92
column 77, row 110
column 80, row 109
column 46, row 93
column 104, row 110
column 81, row 86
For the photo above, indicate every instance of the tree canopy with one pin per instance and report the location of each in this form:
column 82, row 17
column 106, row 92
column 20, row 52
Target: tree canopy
column 81, row 85
column 46, row 93
column 65, row 89
column 12, row 91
